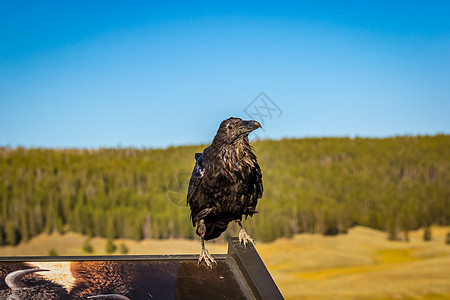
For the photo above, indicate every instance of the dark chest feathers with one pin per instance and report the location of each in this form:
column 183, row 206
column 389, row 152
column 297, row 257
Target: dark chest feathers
column 231, row 181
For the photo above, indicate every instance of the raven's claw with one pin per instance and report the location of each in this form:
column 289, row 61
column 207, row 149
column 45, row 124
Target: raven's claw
column 204, row 255
column 244, row 237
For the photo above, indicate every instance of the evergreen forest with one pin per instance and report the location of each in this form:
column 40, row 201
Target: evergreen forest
column 317, row 185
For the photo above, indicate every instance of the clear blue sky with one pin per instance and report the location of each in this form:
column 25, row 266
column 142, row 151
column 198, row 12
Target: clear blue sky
column 155, row 74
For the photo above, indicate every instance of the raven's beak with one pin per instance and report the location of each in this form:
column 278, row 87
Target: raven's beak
column 249, row 126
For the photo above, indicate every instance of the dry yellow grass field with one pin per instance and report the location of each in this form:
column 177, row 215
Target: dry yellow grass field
column 362, row 264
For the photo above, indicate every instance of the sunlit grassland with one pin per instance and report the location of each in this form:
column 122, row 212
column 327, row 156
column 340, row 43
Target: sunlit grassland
column 362, row 264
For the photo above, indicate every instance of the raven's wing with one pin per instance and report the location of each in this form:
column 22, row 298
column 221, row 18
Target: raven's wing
column 195, row 182
column 253, row 191
column 259, row 184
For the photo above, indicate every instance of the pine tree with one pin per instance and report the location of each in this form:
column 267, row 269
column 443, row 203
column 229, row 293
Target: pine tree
column 427, row 234
column 110, row 247
column 87, row 247
column 52, row 252
column 123, row 248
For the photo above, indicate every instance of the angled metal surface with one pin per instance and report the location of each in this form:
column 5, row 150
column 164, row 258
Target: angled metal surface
column 253, row 270
column 240, row 274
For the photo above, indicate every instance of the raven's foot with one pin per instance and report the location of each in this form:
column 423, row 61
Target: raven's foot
column 244, row 237
column 204, row 255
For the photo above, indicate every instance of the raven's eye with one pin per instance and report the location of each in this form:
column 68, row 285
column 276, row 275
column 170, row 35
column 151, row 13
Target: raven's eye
column 230, row 127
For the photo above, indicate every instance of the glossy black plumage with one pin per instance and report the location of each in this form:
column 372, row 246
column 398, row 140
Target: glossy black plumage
column 226, row 182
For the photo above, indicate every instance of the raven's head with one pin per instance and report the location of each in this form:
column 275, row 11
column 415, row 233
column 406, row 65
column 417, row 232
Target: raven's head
column 233, row 129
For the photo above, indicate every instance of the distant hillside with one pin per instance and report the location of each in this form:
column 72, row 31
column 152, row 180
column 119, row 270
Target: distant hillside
column 323, row 185
column 359, row 265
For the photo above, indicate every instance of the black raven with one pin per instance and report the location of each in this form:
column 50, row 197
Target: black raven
column 225, row 184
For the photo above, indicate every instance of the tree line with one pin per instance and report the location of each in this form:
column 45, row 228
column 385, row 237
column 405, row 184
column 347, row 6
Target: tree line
column 318, row 185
